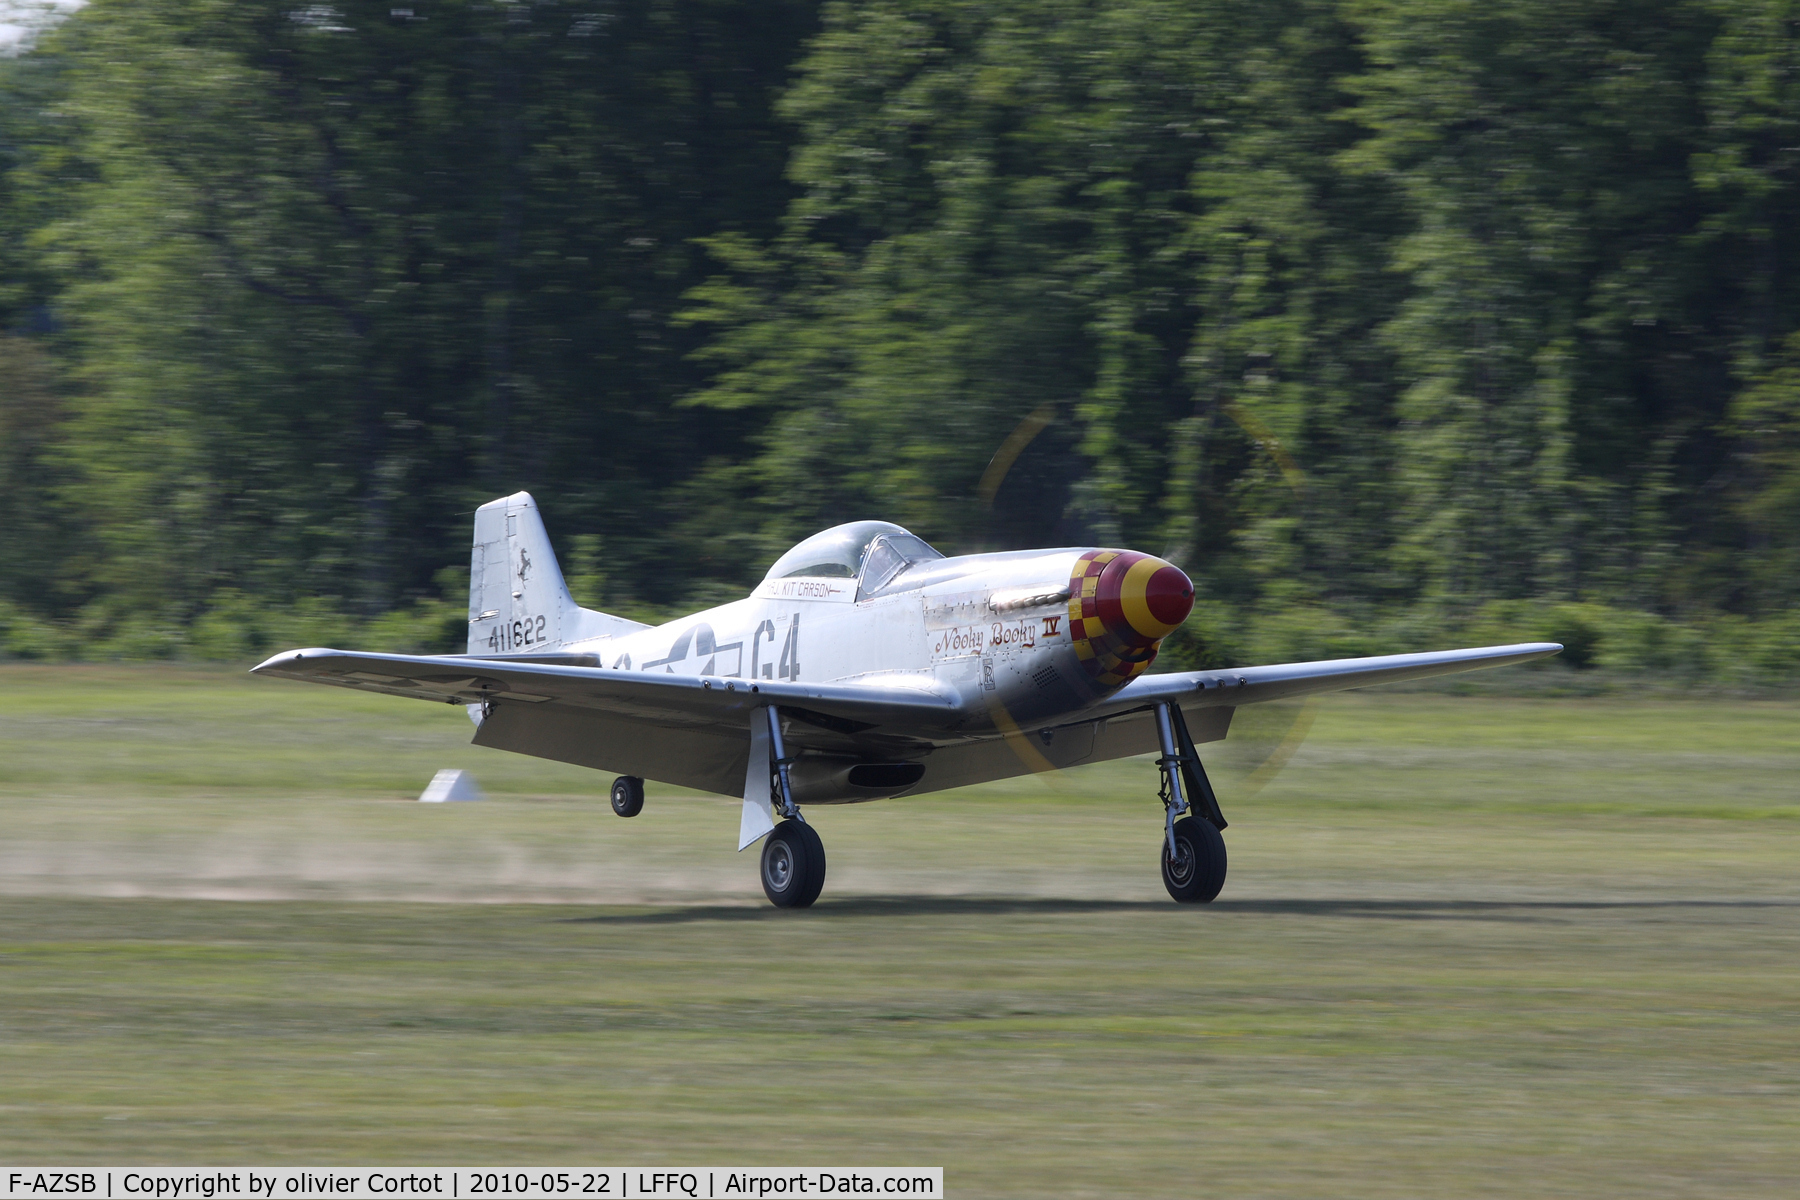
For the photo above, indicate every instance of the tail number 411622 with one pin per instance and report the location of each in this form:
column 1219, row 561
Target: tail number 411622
column 526, row 631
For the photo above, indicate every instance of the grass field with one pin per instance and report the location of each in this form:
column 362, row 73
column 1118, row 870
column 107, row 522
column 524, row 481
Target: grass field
column 1471, row 946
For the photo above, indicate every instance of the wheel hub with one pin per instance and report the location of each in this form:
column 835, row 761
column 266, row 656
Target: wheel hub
column 780, row 868
column 1181, row 863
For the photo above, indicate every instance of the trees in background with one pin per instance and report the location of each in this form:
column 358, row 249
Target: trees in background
column 329, row 276
column 1364, row 310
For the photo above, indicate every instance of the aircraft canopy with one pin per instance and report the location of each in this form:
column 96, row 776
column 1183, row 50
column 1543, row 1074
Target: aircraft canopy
column 842, row 551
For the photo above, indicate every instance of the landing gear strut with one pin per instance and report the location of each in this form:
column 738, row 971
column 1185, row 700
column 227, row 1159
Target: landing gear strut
column 1193, row 853
column 628, row 795
column 793, row 857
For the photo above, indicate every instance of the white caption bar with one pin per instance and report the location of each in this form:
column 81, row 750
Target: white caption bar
column 465, row 1183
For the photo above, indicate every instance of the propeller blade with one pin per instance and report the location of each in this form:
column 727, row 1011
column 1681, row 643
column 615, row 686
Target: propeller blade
column 1264, row 739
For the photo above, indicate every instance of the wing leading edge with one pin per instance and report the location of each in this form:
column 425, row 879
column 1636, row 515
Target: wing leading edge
column 910, row 702
column 693, row 731
column 1254, row 685
column 680, row 729
column 1121, row 726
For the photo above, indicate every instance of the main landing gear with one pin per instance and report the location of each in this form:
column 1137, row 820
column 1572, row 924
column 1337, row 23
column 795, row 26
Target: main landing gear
column 793, row 857
column 1193, row 852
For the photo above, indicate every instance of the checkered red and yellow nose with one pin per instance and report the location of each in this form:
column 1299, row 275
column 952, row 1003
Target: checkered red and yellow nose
column 1121, row 605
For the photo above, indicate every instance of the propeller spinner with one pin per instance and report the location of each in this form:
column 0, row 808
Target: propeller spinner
column 1121, row 606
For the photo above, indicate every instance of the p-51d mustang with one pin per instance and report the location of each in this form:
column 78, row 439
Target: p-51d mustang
column 865, row 666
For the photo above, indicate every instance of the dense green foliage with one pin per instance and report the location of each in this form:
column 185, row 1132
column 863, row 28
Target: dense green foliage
column 1385, row 318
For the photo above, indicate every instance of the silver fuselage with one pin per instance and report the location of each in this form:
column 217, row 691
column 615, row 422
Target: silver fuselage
column 991, row 628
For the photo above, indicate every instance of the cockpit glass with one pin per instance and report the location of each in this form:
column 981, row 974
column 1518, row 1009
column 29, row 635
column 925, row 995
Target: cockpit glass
column 839, row 552
column 888, row 559
column 884, row 561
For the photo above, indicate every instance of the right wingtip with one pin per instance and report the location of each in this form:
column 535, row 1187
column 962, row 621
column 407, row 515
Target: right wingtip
column 273, row 661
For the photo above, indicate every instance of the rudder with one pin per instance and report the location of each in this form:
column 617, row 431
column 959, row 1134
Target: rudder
column 518, row 601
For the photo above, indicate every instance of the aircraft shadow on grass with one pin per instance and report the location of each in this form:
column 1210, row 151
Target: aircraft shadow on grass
column 1392, row 910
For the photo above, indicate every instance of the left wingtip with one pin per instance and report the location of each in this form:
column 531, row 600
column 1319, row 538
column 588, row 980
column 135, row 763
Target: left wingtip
column 286, row 658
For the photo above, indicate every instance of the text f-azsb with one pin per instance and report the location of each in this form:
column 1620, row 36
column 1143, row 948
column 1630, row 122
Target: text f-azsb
column 53, row 1183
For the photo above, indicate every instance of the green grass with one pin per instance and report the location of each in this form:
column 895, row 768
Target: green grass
column 1470, row 946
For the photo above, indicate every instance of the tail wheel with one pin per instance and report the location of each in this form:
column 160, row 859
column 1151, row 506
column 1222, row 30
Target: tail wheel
column 628, row 795
column 1196, row 871
column 793, row 865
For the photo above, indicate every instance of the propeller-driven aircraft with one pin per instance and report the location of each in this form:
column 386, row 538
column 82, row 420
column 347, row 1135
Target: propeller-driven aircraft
column 865, row 666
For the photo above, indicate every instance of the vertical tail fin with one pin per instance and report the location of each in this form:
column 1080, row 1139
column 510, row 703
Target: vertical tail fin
column 518, row 602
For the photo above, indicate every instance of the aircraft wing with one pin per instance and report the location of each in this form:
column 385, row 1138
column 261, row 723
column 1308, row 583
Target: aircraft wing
column 1121, row 726
column 693, row 731
column 1252, row 685
column 682, row 729
column 705, row 700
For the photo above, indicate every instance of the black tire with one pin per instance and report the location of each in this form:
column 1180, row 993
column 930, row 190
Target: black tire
column 628, row 795
column 1198, row 871
column 793, row 865
column 815, row 854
